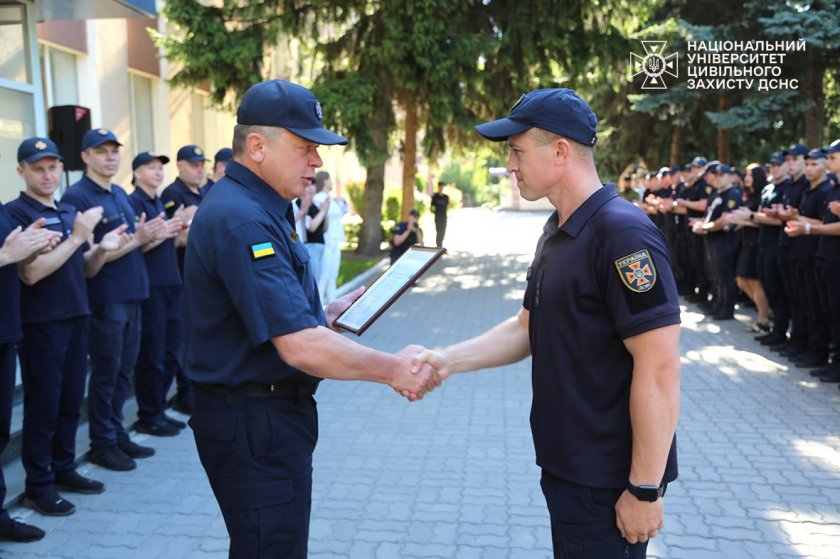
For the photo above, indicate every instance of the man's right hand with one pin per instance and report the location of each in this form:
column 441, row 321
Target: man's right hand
column 21, row 244
column 86, row 222
column 413, row 378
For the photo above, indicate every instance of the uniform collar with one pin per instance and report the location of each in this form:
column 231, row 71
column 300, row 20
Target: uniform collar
column 96, row 186
column 253, row 183
column 142, row 194
column 581, row 216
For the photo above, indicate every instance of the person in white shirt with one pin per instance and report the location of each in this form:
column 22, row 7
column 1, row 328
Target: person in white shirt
column 333, row 236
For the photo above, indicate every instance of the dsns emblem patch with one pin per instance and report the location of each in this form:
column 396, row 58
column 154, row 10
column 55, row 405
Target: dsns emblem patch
column 636, row 271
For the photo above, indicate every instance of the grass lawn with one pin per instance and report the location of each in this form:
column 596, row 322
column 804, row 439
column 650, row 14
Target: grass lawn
column 352, row 266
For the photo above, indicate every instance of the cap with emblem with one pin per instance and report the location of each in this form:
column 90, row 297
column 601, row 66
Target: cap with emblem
column 223, row 155
column 146, row 157
column 557, row 110
column 191, row 153
column 777, row 158
column 717, row 168
column 97, row 137
column 816, row 153
column 286, row 105
column 37, row 148
column 834, row 147
column 796, row 149
column 699, row 161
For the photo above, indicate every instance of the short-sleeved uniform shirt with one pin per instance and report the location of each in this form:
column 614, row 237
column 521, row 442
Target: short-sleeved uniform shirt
column 161, row 261
column 723, row 202
column 812, row 204
column 63, row 293
column 829, row 245
column 700, row 190
column 123, row 280
column 9, row 288
column 791, row 198
column 174, row 196
column 770, row 195
column 247, row 280
column 600, row 278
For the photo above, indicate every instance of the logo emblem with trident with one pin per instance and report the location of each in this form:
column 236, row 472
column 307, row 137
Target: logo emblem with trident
column 654, row 64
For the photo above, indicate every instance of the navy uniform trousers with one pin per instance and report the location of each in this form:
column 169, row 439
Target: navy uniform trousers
column 160, row 342
column 257, row 452
column 809, row 275
column 583, row 521
column 787, row 267
column 829, row 291
column 7, row 389
column 114, row 345
column 771, row 280
column 53, row 364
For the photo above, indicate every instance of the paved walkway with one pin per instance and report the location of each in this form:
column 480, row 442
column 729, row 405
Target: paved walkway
column 453, row 476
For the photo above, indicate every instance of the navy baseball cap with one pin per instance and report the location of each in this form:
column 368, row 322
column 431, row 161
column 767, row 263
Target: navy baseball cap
column 664, row 171
column 37, row 148
column 223, row 155
column 557, row 110
column 191, row 153
column 97, row 137
column 286, row 105
column 675, row 169
column 145, row 157
column 816, row 153
column 415, row 213
column 717, row 168
column 777, row 158
column 699, row 161
column 834, row 147
column 796, row 149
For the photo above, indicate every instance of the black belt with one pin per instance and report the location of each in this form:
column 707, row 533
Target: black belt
column 282, row 389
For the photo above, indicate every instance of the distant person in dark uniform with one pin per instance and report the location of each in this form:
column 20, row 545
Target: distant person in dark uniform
column 54, row 311
column 695, row 202
column 18, row 245
column 219, row 162
column 115, row 293
column 185, row 191
column 440, row 206
column 257, row 339
column 606, row 391
column 406, row 235
column 160, row 340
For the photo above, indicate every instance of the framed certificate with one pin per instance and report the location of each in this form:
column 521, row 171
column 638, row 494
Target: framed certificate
column 388, row 288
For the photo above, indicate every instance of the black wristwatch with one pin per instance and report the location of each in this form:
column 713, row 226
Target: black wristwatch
column 647, row 493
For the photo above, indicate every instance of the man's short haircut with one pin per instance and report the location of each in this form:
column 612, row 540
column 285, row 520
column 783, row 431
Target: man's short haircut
column 544, row 137
column 241, row 132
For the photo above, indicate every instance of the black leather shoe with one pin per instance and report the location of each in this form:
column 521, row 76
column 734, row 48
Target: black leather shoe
column 112, row 458
column 76, row 483
column 772, row 340
column 49, row 503
column 134, row 450
column 158, row 428
column 14, row 531
column 830, row 377
column 792, row 351
column 810, row 361
column 174, row 422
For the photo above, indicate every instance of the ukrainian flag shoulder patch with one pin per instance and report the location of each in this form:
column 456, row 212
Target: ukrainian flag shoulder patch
column 261, row 250
column 169, row 204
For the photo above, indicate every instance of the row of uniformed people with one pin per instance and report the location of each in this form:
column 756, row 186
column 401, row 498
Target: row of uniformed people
column 107, row 284
column 762, row 236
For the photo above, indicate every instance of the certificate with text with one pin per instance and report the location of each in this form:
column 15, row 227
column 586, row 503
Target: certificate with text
column 388, row 288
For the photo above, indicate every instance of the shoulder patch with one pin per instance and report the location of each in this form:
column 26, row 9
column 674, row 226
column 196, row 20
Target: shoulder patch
column 261, row 250
column 169, row 204
column 708, row 190
column 636, row 271
column 730, row 204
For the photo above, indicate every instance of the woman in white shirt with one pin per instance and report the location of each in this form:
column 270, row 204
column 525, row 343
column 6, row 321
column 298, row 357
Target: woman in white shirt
column 333, row 236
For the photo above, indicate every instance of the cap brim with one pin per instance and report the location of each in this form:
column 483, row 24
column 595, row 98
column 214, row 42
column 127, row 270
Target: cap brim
column 192, row 159
column 320, row 136
column 97, row 144
column 41, row 155
column 502, row 129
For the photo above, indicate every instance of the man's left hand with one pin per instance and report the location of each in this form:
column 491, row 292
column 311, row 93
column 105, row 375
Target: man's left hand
column 340, row 305
column 638, row 521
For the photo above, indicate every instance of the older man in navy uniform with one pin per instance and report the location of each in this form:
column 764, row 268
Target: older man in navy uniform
column 256, row 342
column 601, row 322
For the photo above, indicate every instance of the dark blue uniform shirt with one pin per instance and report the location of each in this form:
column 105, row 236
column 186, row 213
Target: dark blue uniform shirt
column 813, row 205
column 123, row 280
column 829, row 245
column 721, row 203
column 246, row 281
column 179, row 194
column 602, row 277
column 700, row 190
column 161, row 261
column 791, row 198
column 9, row 288
column 63, row 293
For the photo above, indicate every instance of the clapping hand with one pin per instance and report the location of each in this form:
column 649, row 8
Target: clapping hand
column 115, row 239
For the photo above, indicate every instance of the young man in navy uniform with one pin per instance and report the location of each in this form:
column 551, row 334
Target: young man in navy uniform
column 115, row 294
column 160, row 339
column 185, row 191
column 18, row 245
column 809, row 267
column 54, row 311
column 256, row 337
column 601, row 322
column 721, row 241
